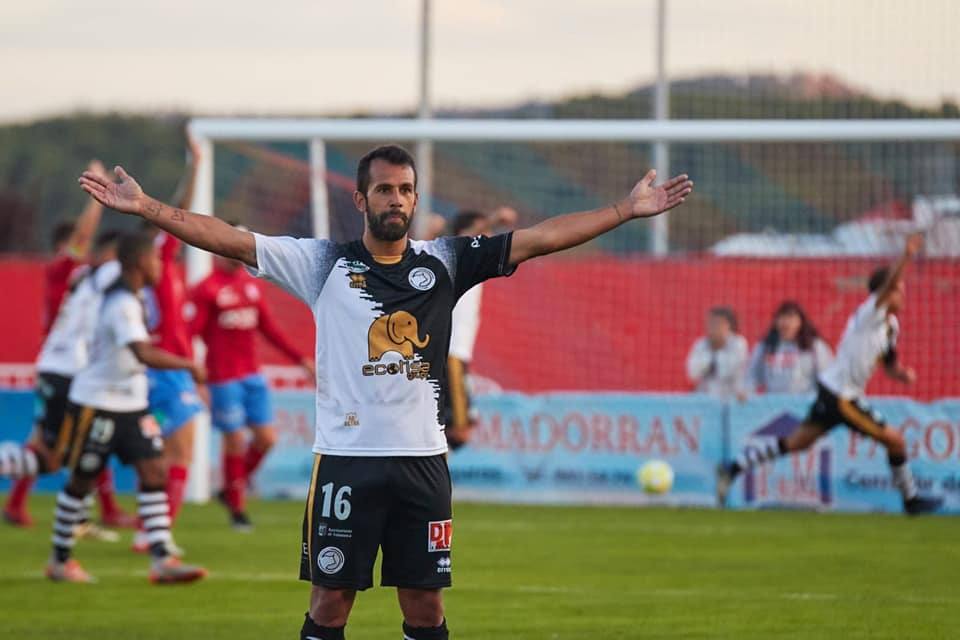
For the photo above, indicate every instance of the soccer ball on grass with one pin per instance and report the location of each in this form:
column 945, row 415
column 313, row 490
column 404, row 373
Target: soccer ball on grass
column 655, row 476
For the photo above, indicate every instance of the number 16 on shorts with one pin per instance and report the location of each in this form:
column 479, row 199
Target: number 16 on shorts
column 439, row 535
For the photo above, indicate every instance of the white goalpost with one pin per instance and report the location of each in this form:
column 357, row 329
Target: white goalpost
column 318, row 134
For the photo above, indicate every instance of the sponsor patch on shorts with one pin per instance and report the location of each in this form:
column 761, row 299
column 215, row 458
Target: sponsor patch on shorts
column 439, row 535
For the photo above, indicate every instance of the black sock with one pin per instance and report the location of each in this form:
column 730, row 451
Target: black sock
column 312, row 631
column 754, row 456
column 426, row 633
column 68, row 513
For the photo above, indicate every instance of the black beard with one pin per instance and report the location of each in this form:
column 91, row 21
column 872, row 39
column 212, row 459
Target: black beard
column 387, row 232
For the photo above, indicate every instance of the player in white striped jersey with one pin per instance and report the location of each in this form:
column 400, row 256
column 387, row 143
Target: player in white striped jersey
column 108, row 415
column 63, row 354
column 869, row 338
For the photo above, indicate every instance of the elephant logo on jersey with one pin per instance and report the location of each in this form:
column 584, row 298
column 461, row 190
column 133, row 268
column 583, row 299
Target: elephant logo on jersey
column 397, row 332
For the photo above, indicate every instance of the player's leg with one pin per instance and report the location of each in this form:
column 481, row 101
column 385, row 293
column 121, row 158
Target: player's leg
column 259, row 412
column 228, row 417
column 174, row 402
column 44, row 449
column 23, row 465
column 343, row 524
column 823, row 415
column 423, row 617
column 860, row 417
column 178, row 451
column 417, row 542
column 138, row 442
column 111, row 513
column 259, row 415
column 88, row 449
column 331, row 607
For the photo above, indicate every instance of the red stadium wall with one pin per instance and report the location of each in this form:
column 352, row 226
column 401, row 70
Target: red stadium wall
column 609, row 324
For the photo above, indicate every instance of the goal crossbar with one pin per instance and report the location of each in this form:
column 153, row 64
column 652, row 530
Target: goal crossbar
column 461, row 130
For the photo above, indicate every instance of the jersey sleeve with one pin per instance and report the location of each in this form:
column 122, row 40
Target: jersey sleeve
column 127, row 322
column 296, row 264
column 481, row 258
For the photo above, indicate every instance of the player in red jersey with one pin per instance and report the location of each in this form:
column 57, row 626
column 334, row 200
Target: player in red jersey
column 173, row 394
column 230, row 310
column 72, row 242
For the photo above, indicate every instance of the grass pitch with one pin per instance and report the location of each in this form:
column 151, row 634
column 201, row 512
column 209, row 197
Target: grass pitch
column 539, row 573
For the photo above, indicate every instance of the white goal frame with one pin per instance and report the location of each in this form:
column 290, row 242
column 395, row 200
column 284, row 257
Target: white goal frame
column 316, row 132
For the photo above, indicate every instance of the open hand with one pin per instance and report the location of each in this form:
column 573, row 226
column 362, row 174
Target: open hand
column 647, row 200
column 914, row 245
column 199, row 373
column 125, row 196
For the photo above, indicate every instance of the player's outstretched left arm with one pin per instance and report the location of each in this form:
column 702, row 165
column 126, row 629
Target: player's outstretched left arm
column 203, row 232
column 562, row 232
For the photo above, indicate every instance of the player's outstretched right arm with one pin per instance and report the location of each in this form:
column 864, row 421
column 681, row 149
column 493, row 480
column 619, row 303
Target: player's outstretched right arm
column 159, row 359
column 203, row 232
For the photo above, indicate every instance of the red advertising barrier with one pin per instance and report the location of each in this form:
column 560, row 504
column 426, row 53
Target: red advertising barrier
column 612, row 324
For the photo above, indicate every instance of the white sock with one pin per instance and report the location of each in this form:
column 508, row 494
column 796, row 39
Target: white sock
column 903, row 480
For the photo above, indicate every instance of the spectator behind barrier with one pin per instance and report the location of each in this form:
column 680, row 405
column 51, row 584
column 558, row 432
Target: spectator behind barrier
column 717, row 361
column 790, row 356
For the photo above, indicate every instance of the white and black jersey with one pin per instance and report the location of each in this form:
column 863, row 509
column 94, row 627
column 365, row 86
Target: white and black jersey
column 869, row 337
column 114, row 380
column 383, row 333
column 66, row 348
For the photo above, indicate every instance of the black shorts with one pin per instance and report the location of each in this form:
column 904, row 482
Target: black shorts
column 357, row 505
column 829, row 410
column 51, row 392
column 93, row 435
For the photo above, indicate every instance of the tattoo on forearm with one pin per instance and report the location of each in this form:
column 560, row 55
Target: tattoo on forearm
column 154, row 208
column 617, row 209
column 179, row 215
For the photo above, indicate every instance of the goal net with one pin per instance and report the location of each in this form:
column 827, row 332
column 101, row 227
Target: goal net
column 799, row 211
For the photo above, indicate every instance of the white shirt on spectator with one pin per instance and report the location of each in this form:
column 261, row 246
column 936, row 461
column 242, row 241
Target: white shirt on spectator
column 718, row 372
column 788, row 369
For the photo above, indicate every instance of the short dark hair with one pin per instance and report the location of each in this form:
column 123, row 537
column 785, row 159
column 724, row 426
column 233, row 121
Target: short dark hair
column 878, row 278
column 131, row 246
column 61, row 233
column 727, row 314
column 392, row 153
column 466, row 219
column 106, row 240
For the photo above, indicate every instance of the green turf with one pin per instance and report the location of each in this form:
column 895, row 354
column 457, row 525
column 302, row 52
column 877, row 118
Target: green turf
column 527, row 572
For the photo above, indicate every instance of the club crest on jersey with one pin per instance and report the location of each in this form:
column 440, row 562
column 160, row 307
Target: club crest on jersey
column 358, row 281
column 422, row 278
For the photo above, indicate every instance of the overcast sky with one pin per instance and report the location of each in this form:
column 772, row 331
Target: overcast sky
column 300, row 56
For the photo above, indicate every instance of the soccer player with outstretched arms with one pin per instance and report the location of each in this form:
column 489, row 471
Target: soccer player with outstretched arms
column 382, row 306
column 869, row 338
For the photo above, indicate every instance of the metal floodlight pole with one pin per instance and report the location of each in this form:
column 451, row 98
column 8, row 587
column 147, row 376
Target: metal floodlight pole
column 424, row 113
column 659, row 238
